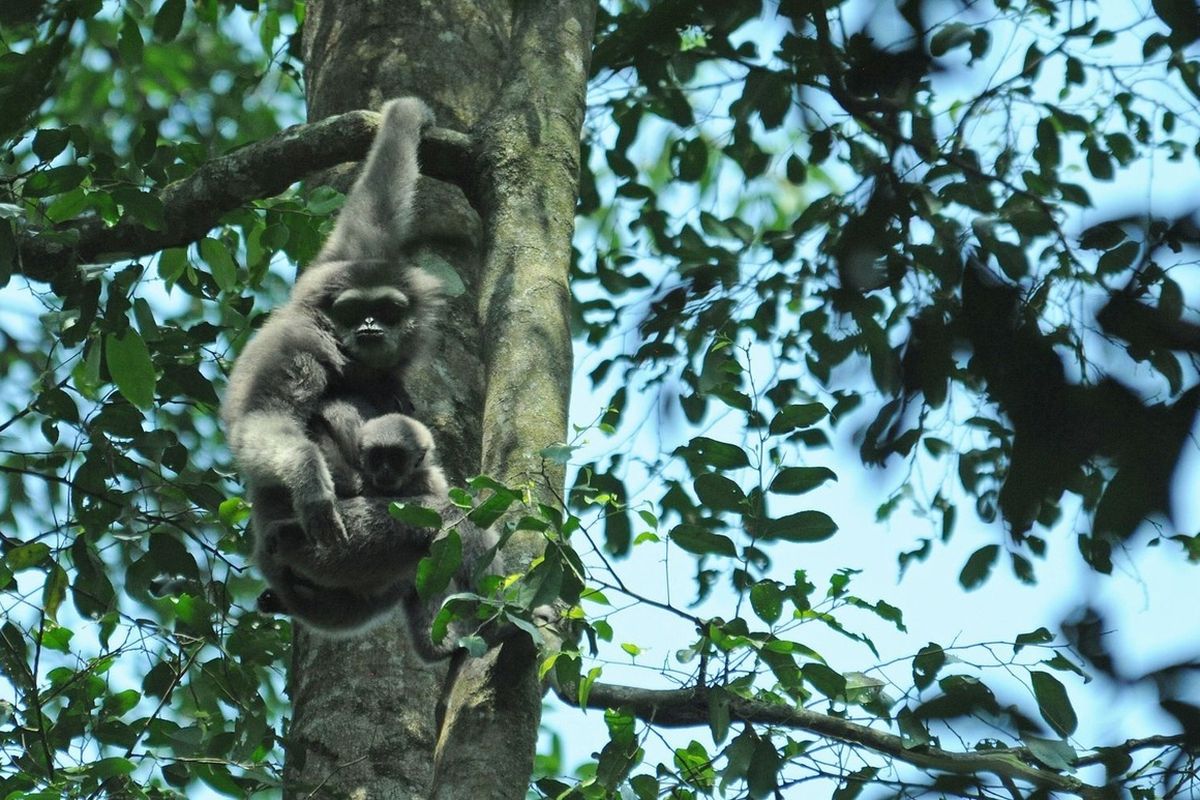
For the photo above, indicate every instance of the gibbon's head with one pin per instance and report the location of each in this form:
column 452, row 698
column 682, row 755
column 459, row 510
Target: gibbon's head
column 381, row 314
column 391, row 449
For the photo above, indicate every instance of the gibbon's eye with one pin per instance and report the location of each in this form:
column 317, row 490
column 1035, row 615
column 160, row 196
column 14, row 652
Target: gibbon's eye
column 347, row 311
column 391, row 310
column 420, row 458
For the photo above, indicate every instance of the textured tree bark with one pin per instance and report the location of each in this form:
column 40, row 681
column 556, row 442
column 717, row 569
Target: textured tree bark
column 495, row 391
column 528, row 147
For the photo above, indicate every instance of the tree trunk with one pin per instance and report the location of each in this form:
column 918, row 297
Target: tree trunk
column 513, row 73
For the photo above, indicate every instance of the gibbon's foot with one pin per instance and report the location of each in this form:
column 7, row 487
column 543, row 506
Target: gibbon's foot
column 270, row 603
column 322, row 524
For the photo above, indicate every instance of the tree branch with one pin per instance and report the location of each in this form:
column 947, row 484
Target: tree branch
column 193, row 205
column 685, row 707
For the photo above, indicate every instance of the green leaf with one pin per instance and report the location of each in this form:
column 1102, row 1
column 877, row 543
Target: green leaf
column 1011, row 259
column 913, row 732
column 558, row 453
column 122, row 702
column 855, row 783
column 171, row 264
column 1039, row 636
column 436, row 569
column 770, row 94
column 585, row 685
column 695, row 539
column 1053, row 703
column 1099, row 163
column 1182, row 17
column 1063, row 664
column 27, row 555
column 644, row 786
column 693, row 160
column 803, row 526
column 1048, row 153
column 145, row 207
column 825, row 680
column 719, row 493
column 797, row 172
column 130, row 43
column 524, row 625
column 415, row 514
column 57, row 638
column 54, row 590
column 950, row 36
column 766, row 598
column 762, row 776
column 55, row 180
column 1053, row 753
column 926, row 664
column 720, row 455
column 169, row 20
column 981, row 41
column 216, row 255
column 131, row 368
column 49, row 142
column 978, row 566
column 486, row 513
column 1104, row 236
column 797, row 416
column 8, row 252
column 1118, row 259
column 108, row 767
column 798, row 480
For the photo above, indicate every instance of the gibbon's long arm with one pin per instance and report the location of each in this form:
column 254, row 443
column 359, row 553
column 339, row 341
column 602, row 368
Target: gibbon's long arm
column 377, row 216
column 273, row 390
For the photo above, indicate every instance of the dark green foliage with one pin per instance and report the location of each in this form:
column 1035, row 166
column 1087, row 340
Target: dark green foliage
column 776, row 209
column 828, row 279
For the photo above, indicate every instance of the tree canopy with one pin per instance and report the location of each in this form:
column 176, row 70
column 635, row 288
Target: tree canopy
column 942, row 240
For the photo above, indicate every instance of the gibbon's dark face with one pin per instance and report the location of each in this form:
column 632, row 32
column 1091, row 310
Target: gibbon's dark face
column 388, row 467
column 391, row 450
column 373, row 325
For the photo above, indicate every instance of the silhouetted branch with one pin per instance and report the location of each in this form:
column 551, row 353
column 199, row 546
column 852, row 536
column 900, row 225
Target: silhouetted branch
column 193, row 205
column 685, row 707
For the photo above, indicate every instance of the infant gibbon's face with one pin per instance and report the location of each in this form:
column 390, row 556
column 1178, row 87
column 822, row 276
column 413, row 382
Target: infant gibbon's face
column 391, row 449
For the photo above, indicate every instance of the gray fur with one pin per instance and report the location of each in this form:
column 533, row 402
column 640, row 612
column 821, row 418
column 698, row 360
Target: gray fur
column 303, row 354
column 335, row 429
column 318, row 386
column 349, row 596
column 396, row 458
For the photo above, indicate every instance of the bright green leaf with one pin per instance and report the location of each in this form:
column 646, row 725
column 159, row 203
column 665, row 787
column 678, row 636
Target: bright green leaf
column 131, row 368
column 436, row 569
column 217, row 256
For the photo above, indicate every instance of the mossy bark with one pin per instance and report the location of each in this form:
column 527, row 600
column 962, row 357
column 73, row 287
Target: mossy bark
column 513, row 74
